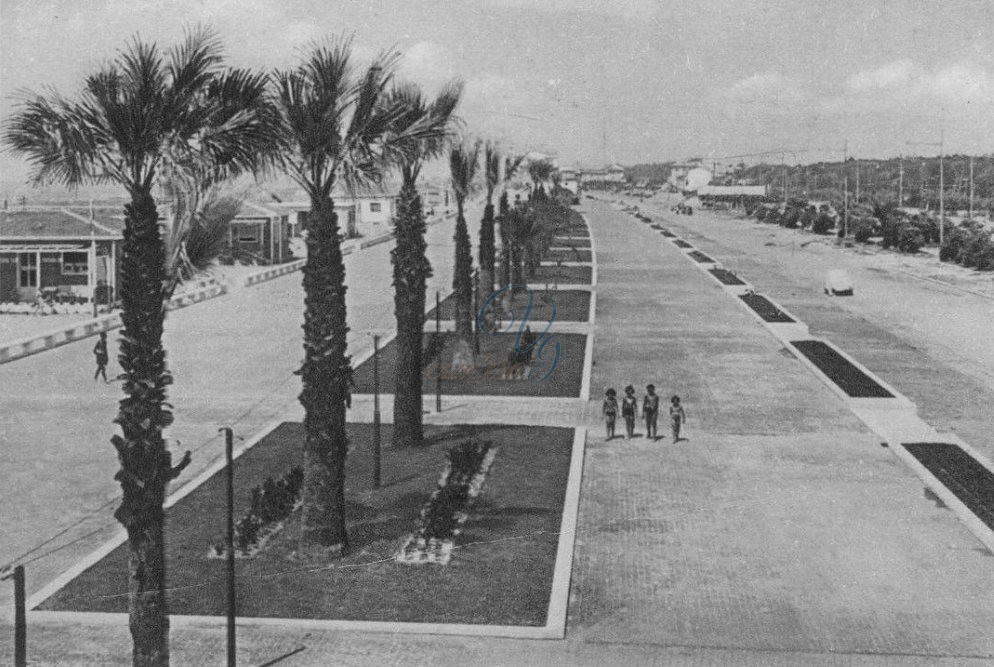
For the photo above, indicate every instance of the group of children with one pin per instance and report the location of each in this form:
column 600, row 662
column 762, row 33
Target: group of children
column 650, row 412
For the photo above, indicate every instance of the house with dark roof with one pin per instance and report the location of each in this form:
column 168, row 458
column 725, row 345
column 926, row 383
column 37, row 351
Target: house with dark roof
column 62, row 253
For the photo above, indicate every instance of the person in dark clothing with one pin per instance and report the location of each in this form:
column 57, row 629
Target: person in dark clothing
column 100, row 352
column 628, row 405
column 650, row 411
column 609, row 410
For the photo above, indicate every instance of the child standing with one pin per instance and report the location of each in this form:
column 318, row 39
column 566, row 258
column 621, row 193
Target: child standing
column 100, row 352
column 677, row 417
column 650, row 411
column 610, row 411
column 628, row 405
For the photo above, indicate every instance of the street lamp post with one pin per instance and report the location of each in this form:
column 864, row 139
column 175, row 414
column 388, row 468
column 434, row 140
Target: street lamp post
column 376, row 412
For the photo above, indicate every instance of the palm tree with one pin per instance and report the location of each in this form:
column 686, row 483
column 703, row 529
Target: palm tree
column 463, row 162
column 511, row 165
column 143, row 109
column 540, row 171
column 411, row 268
column 334, row 125
column 487, row 250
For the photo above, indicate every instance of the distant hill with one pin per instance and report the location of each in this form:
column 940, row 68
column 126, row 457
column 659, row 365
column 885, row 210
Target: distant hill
column 879, row 180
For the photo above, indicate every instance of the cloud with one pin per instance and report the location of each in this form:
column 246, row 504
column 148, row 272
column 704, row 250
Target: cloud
column 429, row 64
column 892, row 74
column 615, row 8
column 768, row 88
column 955, row 87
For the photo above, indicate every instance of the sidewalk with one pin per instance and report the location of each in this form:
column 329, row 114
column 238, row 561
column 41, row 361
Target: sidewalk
column 778, row 533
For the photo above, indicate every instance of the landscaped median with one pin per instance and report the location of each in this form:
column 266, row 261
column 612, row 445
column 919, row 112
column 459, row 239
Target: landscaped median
column 509, row 564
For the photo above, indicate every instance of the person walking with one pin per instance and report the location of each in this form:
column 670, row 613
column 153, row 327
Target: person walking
column 628, row 405
column 100, row 352
column 610, row 412
column 650, row 411
column 677, row 417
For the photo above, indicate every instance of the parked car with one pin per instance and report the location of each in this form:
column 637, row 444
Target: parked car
column 838, row 283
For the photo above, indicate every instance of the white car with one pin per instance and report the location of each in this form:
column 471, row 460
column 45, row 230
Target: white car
column 838, row 283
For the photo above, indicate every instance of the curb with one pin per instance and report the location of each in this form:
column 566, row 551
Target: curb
column 39, row 343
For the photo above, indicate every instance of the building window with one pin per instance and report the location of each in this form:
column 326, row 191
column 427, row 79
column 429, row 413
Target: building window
column 375, row 207
column 75, row 263
column 247, row 234
column 27, row 273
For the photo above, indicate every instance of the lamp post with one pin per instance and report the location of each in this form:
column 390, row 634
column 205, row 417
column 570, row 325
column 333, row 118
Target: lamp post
column 942, row 183
column 376, row 412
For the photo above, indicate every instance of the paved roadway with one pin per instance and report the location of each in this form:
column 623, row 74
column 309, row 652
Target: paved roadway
column 931, row 341
column 778, row 533
column 232, row 359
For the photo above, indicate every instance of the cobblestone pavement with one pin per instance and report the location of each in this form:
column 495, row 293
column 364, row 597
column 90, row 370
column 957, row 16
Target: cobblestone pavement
column 778, row 533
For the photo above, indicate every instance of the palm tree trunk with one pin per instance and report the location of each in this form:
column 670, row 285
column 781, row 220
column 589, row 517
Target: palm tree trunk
column 411, row 270
column 462, row 281
column 146, row 466
column 326, row 375
column 505, row 241
column 487, row 249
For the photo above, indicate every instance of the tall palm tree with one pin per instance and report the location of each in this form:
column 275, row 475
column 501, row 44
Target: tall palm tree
column 335, row 126
column 540, row 172
column 511, row 165
column 487, row 250
column 464, row 160
column 141, row 110
column 411, row 268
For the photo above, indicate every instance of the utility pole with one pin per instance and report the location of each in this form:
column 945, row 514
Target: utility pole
column 942, row 190
column 900, row 181
column 845, row 189
column 857, row 182
column 971, row 188
column 783, row 165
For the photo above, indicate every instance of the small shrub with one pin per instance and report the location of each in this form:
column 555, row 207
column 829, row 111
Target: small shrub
column 761, row 212
column 910, row 238
column 956, row 241
column 823, row 224
column 862, row 230
column 467, row 464
column 890, row 230
column 979, row 240
column 791, row 217
column 808, row 217
column 772, row 216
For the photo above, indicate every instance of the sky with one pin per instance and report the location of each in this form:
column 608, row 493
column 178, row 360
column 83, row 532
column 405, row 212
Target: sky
column 594, row 81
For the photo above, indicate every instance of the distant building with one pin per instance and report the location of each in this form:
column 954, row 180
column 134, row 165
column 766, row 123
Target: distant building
column 680, row 170
column 696, row 178
column 58, row 253
column 570, row 179
column 260, row 232
column 613, row 173
column 358, row 213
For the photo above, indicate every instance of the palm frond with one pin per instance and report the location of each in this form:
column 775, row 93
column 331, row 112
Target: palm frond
column 491, row 161
column 464, row 159
column 511, row 165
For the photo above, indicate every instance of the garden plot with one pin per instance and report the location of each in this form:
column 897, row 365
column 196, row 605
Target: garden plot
column 765, row 309
column 501, row 565
column 494, row 373
column 959, row 472
column 571, row 306
column 853, row 381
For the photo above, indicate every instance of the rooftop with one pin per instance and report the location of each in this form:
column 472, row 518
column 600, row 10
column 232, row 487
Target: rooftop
column 58, row 223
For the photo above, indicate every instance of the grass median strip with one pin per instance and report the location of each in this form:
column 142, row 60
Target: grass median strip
column 853, row 381
column 959, row 472
column 765, row 308
column 726, row 277
column 501, row 569
column 492, row 374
